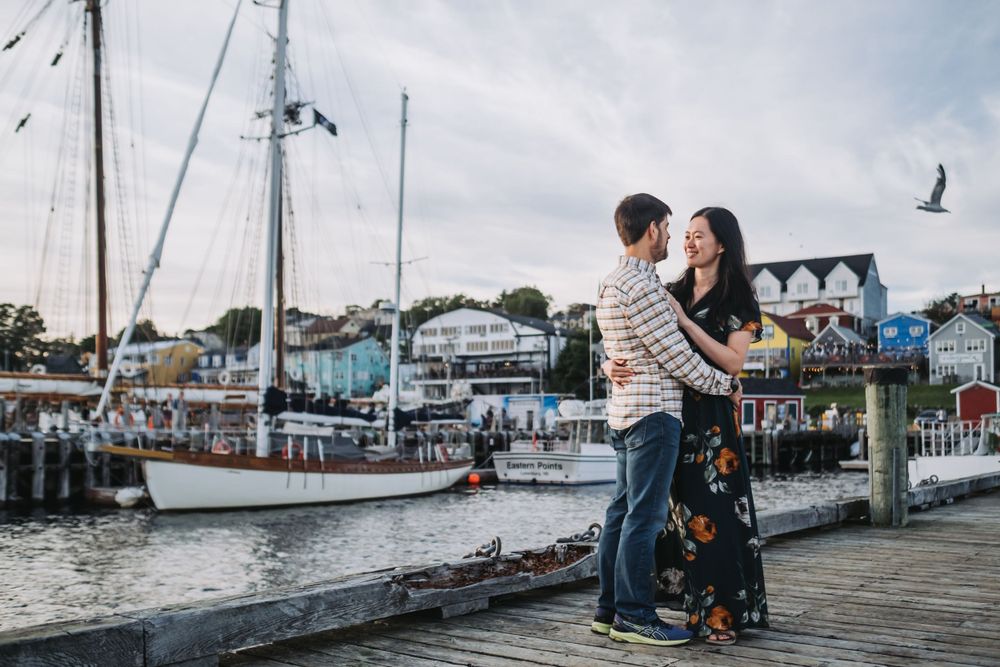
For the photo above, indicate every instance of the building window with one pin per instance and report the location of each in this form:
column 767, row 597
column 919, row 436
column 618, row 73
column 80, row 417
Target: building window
column 917, row 330
column 499, row 327
column 477, row 346
column 802, row 288
column 749, row 412
column 890, row 332
column 976, row 345
column 945, row 370
column 960, row 328
column 765, row 291
column 840, row 286
column 944, row 346
column 476, row 329
column 429, row 333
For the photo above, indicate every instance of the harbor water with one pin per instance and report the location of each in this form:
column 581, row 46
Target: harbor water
column 60, row 566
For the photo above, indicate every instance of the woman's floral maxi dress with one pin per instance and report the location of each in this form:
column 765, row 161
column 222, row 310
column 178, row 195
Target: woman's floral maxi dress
column 708, row 555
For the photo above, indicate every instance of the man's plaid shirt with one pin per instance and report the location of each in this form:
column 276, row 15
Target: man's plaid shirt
column 639, row 325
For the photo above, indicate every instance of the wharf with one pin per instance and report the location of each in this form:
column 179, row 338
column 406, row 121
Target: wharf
column 927, row 594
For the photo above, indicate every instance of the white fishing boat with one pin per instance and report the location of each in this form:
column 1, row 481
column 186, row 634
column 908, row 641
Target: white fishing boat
column 956, row 449
column 306, row 461
column 580, row 452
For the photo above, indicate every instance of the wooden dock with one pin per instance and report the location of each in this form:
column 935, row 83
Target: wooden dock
column 928, row 594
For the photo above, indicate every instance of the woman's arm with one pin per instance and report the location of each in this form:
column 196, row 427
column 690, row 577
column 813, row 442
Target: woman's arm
column 729, row 357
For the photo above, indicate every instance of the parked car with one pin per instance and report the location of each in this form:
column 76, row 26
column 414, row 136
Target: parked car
column 928, row 417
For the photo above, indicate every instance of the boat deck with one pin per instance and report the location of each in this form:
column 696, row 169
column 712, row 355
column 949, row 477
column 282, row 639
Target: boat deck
column 928, row 594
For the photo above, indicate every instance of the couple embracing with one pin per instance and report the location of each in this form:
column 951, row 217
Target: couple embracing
column 673, row 355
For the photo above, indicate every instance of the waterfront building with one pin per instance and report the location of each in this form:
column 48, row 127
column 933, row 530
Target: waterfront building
column 481, row 351
column 769, row 402
column 160, row 362
column 964, row 349
column 904, row 333
column 779, row 352
column 340, row 366
column 578, row 316
column 818, row 316
column 849, row 282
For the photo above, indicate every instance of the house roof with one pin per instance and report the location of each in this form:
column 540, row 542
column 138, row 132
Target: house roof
column 969, row 385
column 848, row 335
column 985, row 325
column 818, row 309
column 911, row 315
column 819, row 266
column 143, row 348
column 533, row 322
column 794, row 328
column 326, row 325
column 769, row 387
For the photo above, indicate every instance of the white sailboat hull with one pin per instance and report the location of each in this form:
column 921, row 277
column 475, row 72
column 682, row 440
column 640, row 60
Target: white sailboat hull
column 555, row 467
column 180, row 486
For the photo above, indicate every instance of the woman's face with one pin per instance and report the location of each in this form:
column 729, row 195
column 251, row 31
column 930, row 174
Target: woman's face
column 701, row 247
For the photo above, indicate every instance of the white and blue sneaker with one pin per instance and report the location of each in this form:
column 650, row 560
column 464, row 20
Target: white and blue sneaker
column 656, row 633
column 603, row 618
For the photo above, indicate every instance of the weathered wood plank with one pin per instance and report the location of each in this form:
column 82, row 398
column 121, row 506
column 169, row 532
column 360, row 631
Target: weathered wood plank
column 108, row 641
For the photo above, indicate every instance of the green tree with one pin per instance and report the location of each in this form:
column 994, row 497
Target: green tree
column 527, row 301
column 238, row 326
column 21, row 344
column 424, row 309
column 572, row 369
column 145, row 332
column 943, row 309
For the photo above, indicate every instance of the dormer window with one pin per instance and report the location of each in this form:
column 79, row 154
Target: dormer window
column 960, row 328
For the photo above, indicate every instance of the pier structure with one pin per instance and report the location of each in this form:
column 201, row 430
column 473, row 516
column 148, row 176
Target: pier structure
column 840, row 592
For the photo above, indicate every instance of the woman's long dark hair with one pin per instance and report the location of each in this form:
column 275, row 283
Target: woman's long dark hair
column 733, row 286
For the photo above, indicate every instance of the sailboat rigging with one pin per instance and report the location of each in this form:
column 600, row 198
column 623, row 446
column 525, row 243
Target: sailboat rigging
column 225, row 477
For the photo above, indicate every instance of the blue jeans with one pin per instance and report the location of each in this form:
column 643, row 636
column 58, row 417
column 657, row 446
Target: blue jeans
column 647, row 456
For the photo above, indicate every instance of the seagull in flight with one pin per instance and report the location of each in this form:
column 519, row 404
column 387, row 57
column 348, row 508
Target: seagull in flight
column 934, row 205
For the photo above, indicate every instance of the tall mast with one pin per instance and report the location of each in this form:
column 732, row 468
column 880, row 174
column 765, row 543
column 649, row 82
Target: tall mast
column 394, row 350
column 279, row 315
column 94, row 7
column 267, row 316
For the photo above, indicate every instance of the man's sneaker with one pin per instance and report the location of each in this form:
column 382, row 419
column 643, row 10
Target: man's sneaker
column 656, row 633
column 603, row 618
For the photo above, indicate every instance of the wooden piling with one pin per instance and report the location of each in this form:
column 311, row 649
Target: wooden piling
column 4, row 467
column 885, row 398
column 38, row 465
column 65, row 451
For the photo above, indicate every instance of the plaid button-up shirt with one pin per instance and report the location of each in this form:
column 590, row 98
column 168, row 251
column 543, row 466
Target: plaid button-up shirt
column 639, row 325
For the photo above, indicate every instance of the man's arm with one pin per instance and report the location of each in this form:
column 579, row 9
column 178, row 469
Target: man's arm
column 655, row 323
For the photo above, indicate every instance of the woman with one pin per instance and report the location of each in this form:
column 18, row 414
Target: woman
column 711, row 540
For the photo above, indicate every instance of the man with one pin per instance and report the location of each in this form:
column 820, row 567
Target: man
column 639, row 325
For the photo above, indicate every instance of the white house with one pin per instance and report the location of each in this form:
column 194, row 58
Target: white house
column 473, row 351
column 850, row 282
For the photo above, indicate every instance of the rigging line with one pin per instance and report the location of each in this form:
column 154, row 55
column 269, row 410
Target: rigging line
column 360, row 109
column 14, row 38
column 32, row 83
column 16, row 21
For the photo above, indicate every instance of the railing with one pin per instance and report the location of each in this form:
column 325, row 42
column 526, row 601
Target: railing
column 952, row 438
column 861, row 357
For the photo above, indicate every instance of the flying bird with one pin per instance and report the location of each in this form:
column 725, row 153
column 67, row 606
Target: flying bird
column 934, row 205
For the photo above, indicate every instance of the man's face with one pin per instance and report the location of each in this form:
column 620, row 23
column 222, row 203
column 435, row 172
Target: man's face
column 661, row 236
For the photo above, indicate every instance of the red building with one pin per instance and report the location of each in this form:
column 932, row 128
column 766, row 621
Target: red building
column 818, row 316
column 975, row 399
column 771, row 400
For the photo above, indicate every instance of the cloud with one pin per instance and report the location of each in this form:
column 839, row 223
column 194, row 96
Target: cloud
column 816, row 124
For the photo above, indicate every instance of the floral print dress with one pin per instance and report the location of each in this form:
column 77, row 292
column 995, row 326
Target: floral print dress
column 708, row 555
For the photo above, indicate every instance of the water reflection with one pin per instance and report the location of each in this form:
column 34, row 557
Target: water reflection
column 82, row 564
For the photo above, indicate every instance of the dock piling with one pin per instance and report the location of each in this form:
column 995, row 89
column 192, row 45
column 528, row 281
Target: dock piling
column 38, row 464
column 885, row 398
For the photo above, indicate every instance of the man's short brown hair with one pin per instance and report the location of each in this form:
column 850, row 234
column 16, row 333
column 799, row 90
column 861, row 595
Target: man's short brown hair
column 635, row 212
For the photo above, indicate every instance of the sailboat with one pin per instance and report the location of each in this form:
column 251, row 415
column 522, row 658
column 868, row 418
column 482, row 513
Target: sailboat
column 286, row 467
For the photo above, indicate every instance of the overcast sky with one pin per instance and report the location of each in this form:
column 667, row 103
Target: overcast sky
column 816, row 123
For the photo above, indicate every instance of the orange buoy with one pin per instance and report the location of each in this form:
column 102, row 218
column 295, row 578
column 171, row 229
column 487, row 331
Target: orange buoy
column 474, row 478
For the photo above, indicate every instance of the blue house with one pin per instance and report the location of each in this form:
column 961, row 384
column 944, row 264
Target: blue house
column 347, row 367
column 903, row 332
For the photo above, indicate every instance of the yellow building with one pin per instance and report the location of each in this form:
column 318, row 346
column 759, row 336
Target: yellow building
column 779, row 353
column 162, row 362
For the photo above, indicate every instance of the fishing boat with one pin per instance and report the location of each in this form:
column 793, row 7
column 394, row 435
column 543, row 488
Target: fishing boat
column 291, row 465
column 579, row 452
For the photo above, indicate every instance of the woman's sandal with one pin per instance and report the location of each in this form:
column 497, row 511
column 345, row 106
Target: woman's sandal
column 725, row 638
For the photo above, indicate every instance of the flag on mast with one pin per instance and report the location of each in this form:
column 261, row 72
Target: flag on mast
column 320, row 119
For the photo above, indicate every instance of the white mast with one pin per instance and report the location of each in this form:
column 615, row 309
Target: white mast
column 154, row 257
column 394, row 350
column 267, row 316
